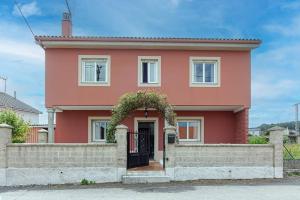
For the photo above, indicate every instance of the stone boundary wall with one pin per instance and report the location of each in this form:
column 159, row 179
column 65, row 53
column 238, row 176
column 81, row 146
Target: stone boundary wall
column 291, row 165
column 42, row 164
column 224, row 161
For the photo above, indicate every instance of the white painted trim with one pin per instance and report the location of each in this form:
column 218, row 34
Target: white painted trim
column 90, row 118
column 80, row 57
column 217, row 71
column 156, row 131
column 150, row 45
column 201, row 141
column 176, row 108
column 140, row 58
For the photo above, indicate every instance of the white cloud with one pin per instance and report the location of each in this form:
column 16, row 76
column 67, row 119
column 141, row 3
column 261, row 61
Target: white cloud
column 21, row 50
column 266, row 89
column 28, row 10
column 291, row 28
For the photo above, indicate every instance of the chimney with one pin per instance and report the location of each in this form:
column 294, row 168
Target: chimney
column 66, row 24
column 15, row 94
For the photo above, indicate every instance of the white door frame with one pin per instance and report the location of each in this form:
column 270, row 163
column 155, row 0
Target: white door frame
column 156, row 129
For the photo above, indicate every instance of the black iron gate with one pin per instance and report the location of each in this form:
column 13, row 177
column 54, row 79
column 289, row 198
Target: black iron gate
column 138, row 148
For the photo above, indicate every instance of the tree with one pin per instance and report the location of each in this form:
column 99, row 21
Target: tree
column 20, row 127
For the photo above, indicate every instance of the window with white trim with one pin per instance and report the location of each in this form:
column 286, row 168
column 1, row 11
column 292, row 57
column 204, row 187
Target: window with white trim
column 189, row 130
column 149, row 71
column 99, row 130
column 94, row 70
column 204, row 72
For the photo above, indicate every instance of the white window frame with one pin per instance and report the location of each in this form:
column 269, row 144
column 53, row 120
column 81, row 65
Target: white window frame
column 91, row 135
column 140, row 70
column 200, row 138
column 80, row 70
column 217, row 71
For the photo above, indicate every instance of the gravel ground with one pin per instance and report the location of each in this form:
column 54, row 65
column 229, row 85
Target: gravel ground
column 276, row 189
column 293, row 180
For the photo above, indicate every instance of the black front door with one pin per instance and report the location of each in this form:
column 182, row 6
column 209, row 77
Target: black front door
column 148, row 127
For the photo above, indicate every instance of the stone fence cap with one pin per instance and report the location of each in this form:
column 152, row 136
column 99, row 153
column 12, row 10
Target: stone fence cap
column 276, row 128
column 42, row 131
column 121, row 126
column 3, row 125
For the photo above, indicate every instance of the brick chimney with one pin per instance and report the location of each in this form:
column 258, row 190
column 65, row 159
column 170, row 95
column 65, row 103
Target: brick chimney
column 66, row 24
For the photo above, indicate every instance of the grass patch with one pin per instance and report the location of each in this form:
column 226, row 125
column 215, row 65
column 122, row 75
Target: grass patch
column 87, row 182
column 293, row 174
column 257, row 140
column 294, row 150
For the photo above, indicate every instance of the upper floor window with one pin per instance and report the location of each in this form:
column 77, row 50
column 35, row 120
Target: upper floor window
column 204, row 72
column 149, row 71
column 94, row 70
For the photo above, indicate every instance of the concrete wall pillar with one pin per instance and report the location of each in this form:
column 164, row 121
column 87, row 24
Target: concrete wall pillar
column 51, row 112
column 169, row 152
column 121, row 138
column 5, row 138
column 276, row 138
column 42, row 136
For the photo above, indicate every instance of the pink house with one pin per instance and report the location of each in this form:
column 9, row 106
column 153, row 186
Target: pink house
column 206, row 80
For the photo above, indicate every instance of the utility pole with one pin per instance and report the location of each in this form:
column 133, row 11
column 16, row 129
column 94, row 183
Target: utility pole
column 4, row 79
column 296, row 118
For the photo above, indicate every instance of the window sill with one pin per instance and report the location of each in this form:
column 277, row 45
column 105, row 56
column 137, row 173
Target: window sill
column 149, row 85
column 93, row 84
column 205, row 85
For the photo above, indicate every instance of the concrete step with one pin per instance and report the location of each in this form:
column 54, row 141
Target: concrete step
column 134, row 177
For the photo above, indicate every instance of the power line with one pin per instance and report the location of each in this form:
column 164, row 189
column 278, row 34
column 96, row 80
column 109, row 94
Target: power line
column 67, row 3
column 28, row 25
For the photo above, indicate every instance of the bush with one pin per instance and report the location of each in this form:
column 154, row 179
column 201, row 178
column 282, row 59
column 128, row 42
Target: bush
column 257, row 140
column 20, row 127
column 87, row 182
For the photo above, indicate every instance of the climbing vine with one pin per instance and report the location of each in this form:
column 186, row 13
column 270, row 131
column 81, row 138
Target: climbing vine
column 130, row 102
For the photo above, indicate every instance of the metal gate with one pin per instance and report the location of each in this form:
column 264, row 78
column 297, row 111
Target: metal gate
column 138, row 148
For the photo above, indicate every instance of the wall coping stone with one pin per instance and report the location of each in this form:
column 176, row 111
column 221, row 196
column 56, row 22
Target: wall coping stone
column 60, row 144
column 121, row 126
column 224, row 145
column 5, row 126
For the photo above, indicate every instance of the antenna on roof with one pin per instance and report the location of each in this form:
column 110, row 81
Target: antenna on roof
column 4, row 79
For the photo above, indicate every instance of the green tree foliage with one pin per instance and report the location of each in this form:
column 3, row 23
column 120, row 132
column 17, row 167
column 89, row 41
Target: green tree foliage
column 142, row 99
column 20, row 127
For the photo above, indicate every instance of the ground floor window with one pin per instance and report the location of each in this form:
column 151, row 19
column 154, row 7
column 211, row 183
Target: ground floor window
column 189, row 129
column 99, row 130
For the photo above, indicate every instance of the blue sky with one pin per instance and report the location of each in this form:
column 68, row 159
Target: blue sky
column 275, row 65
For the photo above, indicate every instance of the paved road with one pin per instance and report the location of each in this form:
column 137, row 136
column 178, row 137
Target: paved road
column 232, row 190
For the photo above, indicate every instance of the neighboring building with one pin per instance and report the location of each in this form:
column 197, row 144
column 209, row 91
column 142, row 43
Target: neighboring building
column 285, row 130
column 206, row 80
column 254, row 131
column 27, row 112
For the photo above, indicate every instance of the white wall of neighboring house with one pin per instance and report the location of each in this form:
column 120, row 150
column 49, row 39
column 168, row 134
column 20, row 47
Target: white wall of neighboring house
column 32, row 118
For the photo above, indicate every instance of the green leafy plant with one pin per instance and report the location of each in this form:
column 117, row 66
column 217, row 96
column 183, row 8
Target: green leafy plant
column 129, row 102
column 20, row 127
column 87, row 182
column 257, row 140
column 293, row 149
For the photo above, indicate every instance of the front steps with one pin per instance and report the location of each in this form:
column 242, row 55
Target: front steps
column 134, row 177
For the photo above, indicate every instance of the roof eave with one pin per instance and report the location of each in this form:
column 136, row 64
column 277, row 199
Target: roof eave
column 217, row 45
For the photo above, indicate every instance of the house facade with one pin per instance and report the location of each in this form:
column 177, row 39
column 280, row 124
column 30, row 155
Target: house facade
column 207, row 81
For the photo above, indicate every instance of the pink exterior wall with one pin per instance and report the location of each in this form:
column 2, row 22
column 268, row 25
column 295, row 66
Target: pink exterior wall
column 62, row 77
column 219, row 126
column 241, row 132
